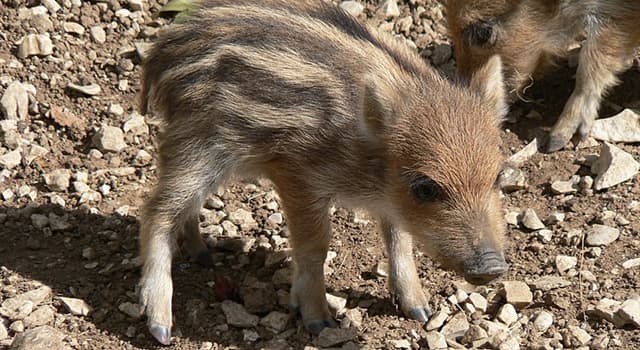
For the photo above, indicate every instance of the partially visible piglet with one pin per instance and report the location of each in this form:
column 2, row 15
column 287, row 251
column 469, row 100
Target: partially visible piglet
column 529, row 34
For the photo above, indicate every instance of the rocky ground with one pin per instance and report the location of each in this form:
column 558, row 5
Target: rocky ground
column 77, row 161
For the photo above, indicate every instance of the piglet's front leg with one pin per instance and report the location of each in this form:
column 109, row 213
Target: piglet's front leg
column 404, row 283
column 603, row 56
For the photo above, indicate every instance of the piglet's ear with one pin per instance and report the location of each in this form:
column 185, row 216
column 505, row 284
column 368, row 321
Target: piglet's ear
column 377, row 105
column 488, row 81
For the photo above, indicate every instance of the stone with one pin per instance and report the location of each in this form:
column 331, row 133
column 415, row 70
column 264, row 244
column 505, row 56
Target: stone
column 15, row 102
column 565, row 263
column 474, row 333
column 237, row 315
column 512, row 218
column 353, row 8
column 543, row 321
column 545, row 235
column 244, row 219
column 74, row 28
column 336, row 303
column 34, row 152
column 142, row 49
column 601, row 235
column 402, row 344
column 441, row 54
column 555, row 218
column 352, row 318
column 10, row 159
column 75, row 306
column 335, row 336
column 631, row 263
column 512, row 179
column 35, row 45
column 437, row 320
column 51, row 5
column 547, row 283
column 90, row 90
column 98, row 34
column 275, row 321
column 614, row 166
column 41, row 316
column 132, row 310
column 58, row 180
column 40, row 338
column 16, row 309
column 389, row 9
column 136, row 124
column 456, row 327
column 510, row 343
column 524, row 154
column 629, row 312
column 479, row 302
column 135, row 5
column 575, row 337
column 606, row 309
column 275, row 219
column 4, row 333
column 109, row 139
column 623, row 127
column 517, row 293
column 563, row 187
column 531, row 220
column 507, row 314
column 436, row 340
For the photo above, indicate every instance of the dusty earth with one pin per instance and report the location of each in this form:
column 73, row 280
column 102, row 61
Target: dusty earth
column 68, row 211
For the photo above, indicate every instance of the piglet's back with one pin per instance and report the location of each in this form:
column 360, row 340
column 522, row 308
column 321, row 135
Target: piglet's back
column 273, row 52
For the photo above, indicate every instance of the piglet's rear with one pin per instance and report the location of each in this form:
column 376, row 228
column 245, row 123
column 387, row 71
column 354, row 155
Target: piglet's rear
column 300, row 93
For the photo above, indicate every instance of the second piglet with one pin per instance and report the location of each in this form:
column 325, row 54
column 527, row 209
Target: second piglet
column 329, row 110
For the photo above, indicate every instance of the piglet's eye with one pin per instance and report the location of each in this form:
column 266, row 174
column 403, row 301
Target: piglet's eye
column 481, row 34
column 425, row 189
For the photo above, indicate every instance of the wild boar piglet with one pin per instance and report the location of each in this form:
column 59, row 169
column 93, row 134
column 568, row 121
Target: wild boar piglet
column 329, row 110
column 529, row 35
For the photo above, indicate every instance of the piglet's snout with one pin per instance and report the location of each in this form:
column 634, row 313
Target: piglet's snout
column 486, row 265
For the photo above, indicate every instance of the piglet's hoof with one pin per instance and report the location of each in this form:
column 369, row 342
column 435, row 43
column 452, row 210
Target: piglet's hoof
column 161, row 333
column 421, row 314
column 555, row 143
column 316, row 326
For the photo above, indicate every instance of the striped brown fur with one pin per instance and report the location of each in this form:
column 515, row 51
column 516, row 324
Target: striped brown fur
column 329, row 110
column 530, row 35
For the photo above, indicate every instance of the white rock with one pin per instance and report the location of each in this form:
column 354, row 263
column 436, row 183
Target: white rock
column 478, row 301
column 524, row 154
column 115, row 109
column 136, row 5
column 237, row 315
column 109, row 139
column 512, row 179
column 600, row 235
column 98, row 34
column 606, row 308
column 543, row 321
column 512, row 218
column 614, row 166
column 563, row 187
column 353, row 8
column 10, row 159
column 437, row 320
column 51, row 5
column 336, row 303
column 389, row 8
column 4, row 333
column 630, row 312
column 631, row 263
column 244, row 219
column 545, row 235
column 565, row 263
column 531, row 220
column 41, row 316
column 136, row 124
column 73, row 27
column 58, row 180
column 75, row 306
column 461, row 296
column 507, row 314
column 35, row 45
column 623, row 127
column 352, row 318
column 15, row 102
column 456, row 327
column 548, row 283
column 275, row 219
column 436, row 340
column 517, row 293
column 575, row 337
column 91, row 89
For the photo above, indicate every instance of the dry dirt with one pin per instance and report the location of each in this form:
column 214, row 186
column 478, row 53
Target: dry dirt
column 87, row 245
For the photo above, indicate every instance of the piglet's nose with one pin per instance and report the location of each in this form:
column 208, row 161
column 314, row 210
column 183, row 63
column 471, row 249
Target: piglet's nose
column 485, row 266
